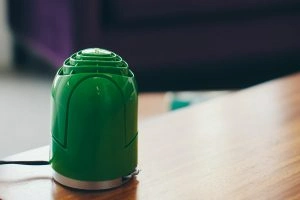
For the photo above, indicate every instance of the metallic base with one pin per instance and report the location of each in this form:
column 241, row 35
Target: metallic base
column 92, row 185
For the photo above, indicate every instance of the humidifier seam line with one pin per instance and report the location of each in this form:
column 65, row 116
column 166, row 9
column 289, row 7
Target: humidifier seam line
column 132, row 140
column 71, row 93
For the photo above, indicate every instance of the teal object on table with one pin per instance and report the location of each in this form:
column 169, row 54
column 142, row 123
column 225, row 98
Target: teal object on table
column 94, row 121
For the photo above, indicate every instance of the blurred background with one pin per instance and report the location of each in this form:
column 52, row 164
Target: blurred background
column 182, row 52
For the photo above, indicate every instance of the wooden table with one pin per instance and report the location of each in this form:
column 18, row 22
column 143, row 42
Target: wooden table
column 244, row 145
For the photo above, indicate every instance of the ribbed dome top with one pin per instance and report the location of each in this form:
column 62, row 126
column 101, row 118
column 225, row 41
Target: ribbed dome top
column 95, row 60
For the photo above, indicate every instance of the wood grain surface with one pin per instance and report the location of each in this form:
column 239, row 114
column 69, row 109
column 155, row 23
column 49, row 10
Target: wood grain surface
column 244, row 145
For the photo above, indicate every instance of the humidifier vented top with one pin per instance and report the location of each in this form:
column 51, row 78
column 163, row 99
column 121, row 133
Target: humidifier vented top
column 95, row 60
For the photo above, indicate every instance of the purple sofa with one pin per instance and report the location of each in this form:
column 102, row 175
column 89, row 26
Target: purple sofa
column 169, row 44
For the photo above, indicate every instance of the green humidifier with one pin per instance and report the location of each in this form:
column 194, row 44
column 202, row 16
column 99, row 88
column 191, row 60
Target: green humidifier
column 94, row 121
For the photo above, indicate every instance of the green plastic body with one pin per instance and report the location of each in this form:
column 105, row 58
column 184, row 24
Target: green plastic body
column 94, row 117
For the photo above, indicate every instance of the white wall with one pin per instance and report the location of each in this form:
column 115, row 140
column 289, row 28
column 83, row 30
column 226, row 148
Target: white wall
column 24, row 113
column 5, row 38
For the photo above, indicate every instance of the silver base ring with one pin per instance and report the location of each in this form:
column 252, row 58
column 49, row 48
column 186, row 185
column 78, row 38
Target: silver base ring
column 92, row 185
